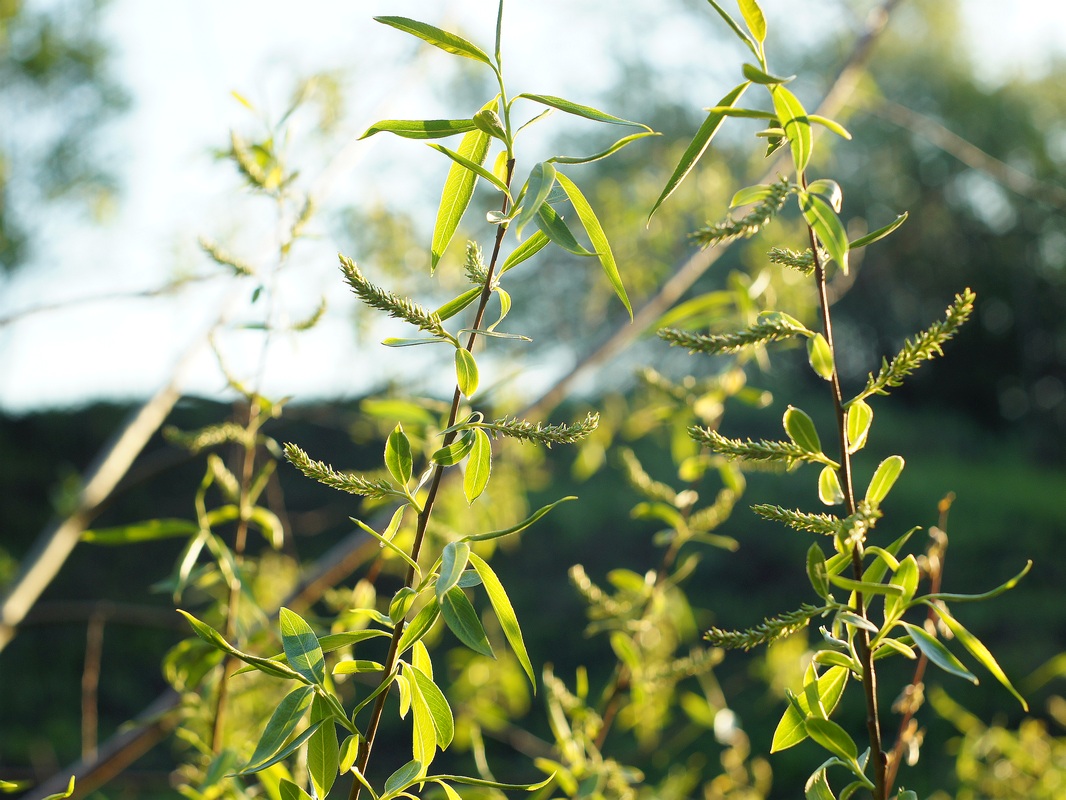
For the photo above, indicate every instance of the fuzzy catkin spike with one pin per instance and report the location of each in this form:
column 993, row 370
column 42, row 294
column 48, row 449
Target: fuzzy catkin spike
column 546, row 435
column 770, row 328
column 751, row 223
column 924, row 347
column 824, row 524
column 211, row 436
column 770, row 630
column 476, row 271
column 800, row 261
column 344, row 481
column 398, row 307
column 786, row 452
column 643, row 482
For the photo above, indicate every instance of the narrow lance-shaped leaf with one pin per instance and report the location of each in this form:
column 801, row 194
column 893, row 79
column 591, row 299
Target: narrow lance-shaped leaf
column 457, row 193
column 521, row 526
column 473, row 166
column 446, row 41
column 282, row 723
column 552, row 225
column 744, row 37
column 597, row 236
column 463, row 621
column 756, row 75
column 286, row 751
column 453, row 560
column 501, row 605
column 797, row 127
column 538, row 187
column 478, row 467
column 827, row 226
column 703, row 136
column 754, row 19
column 419, row 626
column 938, row 654
column 880, row 233
column 614, row 148
column 529, row 248
column 323, row 750
column 440, row 711
column 833, row 738
column 302, row 650
column 588, row 112
column 421, row 128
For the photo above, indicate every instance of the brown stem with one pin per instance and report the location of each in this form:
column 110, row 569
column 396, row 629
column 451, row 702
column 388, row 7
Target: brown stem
column 230, row 664
column 424, row 515
column 869, row 682
column 90, row 683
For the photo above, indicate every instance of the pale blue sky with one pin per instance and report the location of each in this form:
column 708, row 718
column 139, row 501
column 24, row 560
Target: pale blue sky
column 180, row 61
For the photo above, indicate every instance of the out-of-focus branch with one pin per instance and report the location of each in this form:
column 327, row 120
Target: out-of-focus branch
column 689, row 272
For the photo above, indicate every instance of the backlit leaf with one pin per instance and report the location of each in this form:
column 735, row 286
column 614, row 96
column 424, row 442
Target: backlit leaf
column 820, row 356
column 833, row 738
column 552, row 225
column 478, row 466
column 829, row 490
column 282, row 723
column 756, row 75
column 938, row 654
column 529, row 248
column 446, row 41
column 463, row 621
column 473, row 166
column 440, row 711
column 880, row 233
column 301, row 646
column 860, row 417
column 884, row 477
column 398, row 455
column 421, row 128
column 453, row 560
column 458, row 190
column 466, row 371
column 504, row 611
column 753, row 18
column 323, row 751
column 790, row 730
column 800, row 429
column 538, row 186
column 794, row 121
column 826, row 226
column 579, row 110
column 419, row 626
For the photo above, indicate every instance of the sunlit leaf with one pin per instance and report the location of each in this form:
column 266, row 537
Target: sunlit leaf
column 504, row 611
column 816, row 571
column 453, row 560
column 795, row 123
column 440, row 711
column 552, row 225
column 398, row 455
column 938, row 654
column 790, row 730
column 421, row 128
column 473, row 166
column 741, row 34
column 301, row 646
column 478, row 466
column 142, row 532
column 827, row 227
column 614, row 148
column 282, row 723
column 538, row 187
column 860, row 417
column 756, row 75
column 323, row 751
column 529, row 248
column 457, row 193
column 880, row 233
column 833, row 738
column 703, row 136
column 403, row 777
column 449, row 42
column 820, row 356
column 454, row 306
column 884, row 478
column 753, row 18
column 285, row 752
column 597, row 237
column 466, row 373
column 579, row 110
column 463, row 621
column 829, row 489
column 521, row 526
column 830, row 124
column 800, row 429
column 419, row 626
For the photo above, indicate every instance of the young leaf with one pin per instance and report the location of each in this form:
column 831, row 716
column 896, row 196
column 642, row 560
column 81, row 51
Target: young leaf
column 579, row 110
column 756, row 75
column 552, row 225
column 478, row 467
column 323, row 752
column 463, row 621
column 828, row 190
column 287, row 790
column 398, row 455
column 744, row 37
column 284, row 752
column 423, row 730
column 826, row 226
column 453, row 307
column 466, row 371
column 817, row 787
column 446, row 41
column 703, row 136
column 473, row 166
column 790, row 730
column 831, row 125
column 614, row 148
column 456, row 451
column 437, row 704
column 800, row 429
column 820, row 356
column 302, row 649
column 457, row 193
column 489, row 121
column 833, row 738
column 751, row 194
column 884, row 477
column 402, row 777
column 142, row 531
column 829, row 489
column 978, row 650
column 68, row 792
column 538, row 186
column 905, row 577
column 816, row 571
column 880, row 233
column 938, row 654
column 421, row 128
column 419, row 626
column 453, row 560
column 598, row 238
column 501, row 605
column 795, row 123
column 860, row 417
column 529, row 248
column 754, row 19
column 521, row 526
column 282, row 723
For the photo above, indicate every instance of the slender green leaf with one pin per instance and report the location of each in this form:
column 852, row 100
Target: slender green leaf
column 478, row 467
column 884, row 478
column 552, row 225
column 68, row 792
column 820, row 356
column 463, row 621
column 403, row 777
column 453, row 560
column 816, row 571
column 287, row 790
column 978, row 650
column 860, row 417
column 538, row 186
column 830, row 124
column 704, row 135
column 454, row 306
column 751, row 194
column 833, row 738
column 214, row 638
column 938, row 654
column 906, row 577
column 756, row 75
column 357, row 666
column 142, row 532
column 800, row 429
column 282, row 723
column 396, row 341
column 790, row 730
column 744, row 37
column 795, row 123
column 421, row 128
column 579, row 110
column 754, row 19
column 388, row 544
column 827, row 227
column 501, row 605
column 419, row 626
column 473, row 166
column 284, row 752
column 597, row 237
column 455, row 452
column 829, row 489
column 507, row 787
column 865, row 587
column 529, row 248
column 440, row 711
column 457, row 193
column 614, row 148
column 880, row 233
column 349, row 752
column 521, row 526
column 398, row 455
column 466, row 371
column 302, row 650
column 423, row 727
column 446, row 41
column 323, row 751
column 951, row 597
